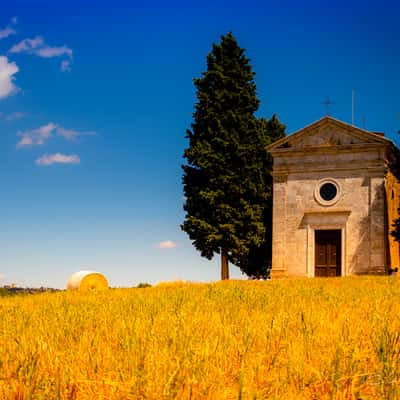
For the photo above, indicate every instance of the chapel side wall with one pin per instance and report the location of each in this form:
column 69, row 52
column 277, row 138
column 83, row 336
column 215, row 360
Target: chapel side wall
column 392, row 187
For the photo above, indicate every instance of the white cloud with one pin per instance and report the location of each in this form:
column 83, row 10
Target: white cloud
column 7, row 70
column 27, row 45
column 1, row 276
column 36, row 137
column 15, row 115
column 57, row 158
column 8, row 30
column 65, row 66
column 71, row 134
column 38, row 47
column 167, row 244
column 12, row 116
column 49, row 52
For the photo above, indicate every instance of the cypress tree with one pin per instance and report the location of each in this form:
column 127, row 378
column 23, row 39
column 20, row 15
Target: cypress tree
column 227, row 180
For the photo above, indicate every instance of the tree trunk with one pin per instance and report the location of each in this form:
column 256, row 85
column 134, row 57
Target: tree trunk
column 224, row 265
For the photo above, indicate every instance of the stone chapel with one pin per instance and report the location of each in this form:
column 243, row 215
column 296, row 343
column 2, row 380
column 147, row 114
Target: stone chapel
column 334, row 201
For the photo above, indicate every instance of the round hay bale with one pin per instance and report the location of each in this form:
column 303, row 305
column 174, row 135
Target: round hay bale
column 87, row 280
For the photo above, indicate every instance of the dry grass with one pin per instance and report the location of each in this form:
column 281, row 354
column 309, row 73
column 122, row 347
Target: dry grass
column 293, row 339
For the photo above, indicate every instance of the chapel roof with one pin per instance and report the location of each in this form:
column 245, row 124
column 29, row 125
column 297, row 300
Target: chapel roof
column 327, row 121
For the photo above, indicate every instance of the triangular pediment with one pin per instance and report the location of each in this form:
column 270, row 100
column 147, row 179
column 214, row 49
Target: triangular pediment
column 327, row 132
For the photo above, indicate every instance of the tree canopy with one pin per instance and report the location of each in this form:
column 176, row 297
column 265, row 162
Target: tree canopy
column 227, row 178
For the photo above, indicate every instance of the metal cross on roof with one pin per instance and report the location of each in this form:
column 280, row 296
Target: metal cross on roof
column 328, row 102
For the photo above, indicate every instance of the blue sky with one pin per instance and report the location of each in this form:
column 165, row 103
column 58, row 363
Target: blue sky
column 95, row 98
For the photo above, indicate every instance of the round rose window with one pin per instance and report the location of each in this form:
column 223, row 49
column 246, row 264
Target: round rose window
column 327, row 192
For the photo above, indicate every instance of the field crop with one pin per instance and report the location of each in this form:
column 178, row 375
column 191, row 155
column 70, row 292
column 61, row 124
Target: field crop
column 291, row 339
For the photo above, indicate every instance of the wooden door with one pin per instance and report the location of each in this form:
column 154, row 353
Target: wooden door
column 328, row 253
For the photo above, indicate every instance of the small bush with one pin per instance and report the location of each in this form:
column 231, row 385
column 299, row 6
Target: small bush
column 4, row 292
column 143, row 285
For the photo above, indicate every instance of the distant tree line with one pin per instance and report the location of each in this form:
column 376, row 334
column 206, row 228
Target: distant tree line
column 12, row 290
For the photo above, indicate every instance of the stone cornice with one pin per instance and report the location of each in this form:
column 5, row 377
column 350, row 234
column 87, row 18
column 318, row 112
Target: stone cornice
column 339, row 149
column 327, row 210
column 354, row 169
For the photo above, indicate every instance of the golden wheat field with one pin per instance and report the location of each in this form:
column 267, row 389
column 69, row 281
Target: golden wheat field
column 291, row 339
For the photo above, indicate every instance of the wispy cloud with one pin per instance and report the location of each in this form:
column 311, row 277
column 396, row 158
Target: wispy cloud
column 12, row 116
column 36, row 137
column 65, row 66
column 7, row 72
column 71, row 134
column 8, row 30
column 57, row 158
column 1, row 276
column 28, row 45
column 38, row 47
column 167, row 244
column 39, row 136
column 49, row 52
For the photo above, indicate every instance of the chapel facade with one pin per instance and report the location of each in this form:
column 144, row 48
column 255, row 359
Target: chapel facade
column 334, row 201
